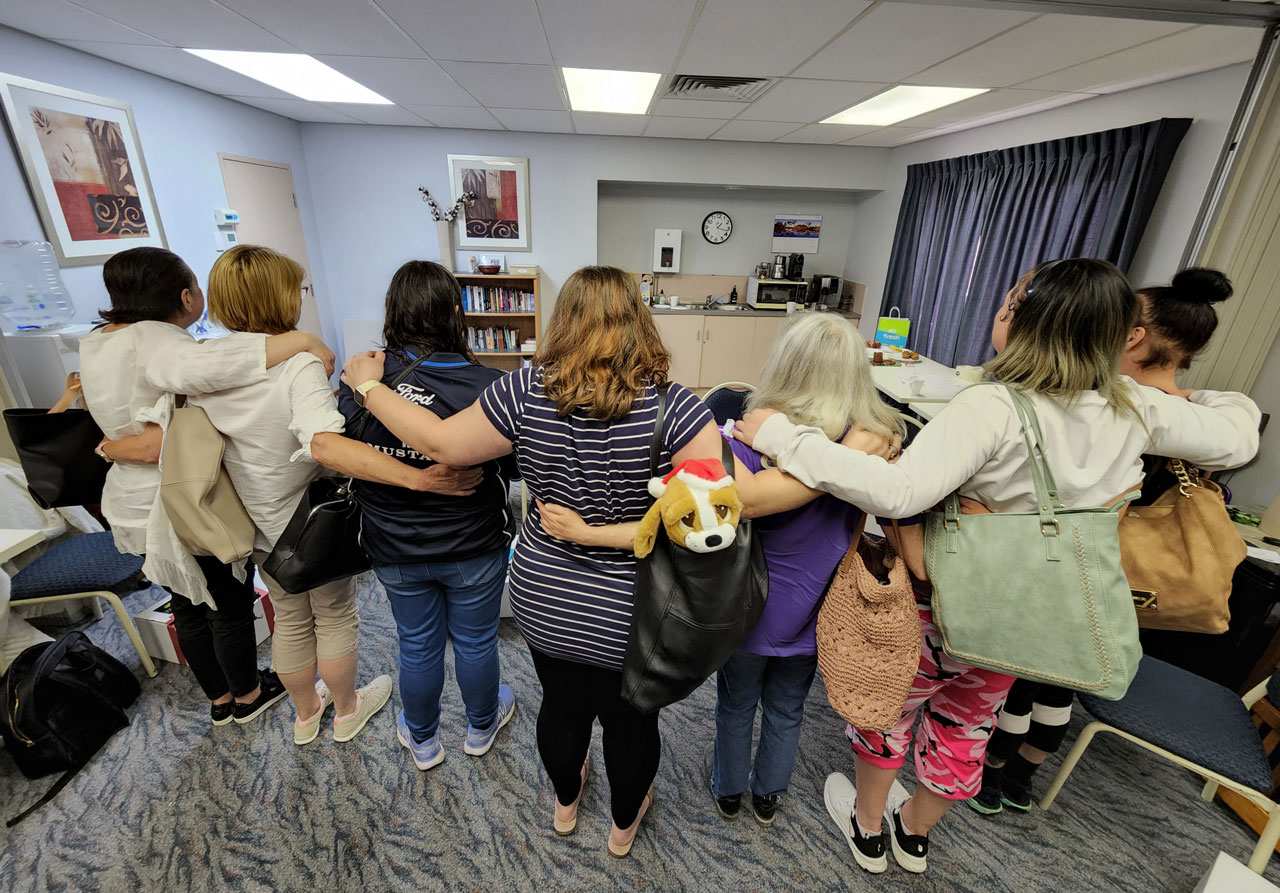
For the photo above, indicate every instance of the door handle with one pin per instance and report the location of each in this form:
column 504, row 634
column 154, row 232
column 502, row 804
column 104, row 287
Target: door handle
column 697, row 336
column 708, row 338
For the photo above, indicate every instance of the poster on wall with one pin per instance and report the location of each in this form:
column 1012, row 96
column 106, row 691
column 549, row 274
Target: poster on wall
column 499, row 216
column 84, row 166
column 796, row 233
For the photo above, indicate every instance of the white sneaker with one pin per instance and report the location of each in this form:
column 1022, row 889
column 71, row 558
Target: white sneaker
column 909, row 850
column 370, row 699
column 842, row 800
column 305, row 733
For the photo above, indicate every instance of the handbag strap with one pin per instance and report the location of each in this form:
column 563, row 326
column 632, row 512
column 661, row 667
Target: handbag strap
column 655, row 443
column 847, row 562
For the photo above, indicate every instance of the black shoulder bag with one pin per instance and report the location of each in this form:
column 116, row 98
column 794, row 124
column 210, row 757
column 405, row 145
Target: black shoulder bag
column 691, row 610
column 57, row 455
column 322, row 541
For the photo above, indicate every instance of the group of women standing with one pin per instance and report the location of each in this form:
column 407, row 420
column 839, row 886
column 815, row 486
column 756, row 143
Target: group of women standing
column 436, row 437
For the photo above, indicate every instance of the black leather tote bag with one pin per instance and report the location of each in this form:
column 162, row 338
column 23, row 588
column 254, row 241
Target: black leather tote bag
column 57, row 455
column 691, row 610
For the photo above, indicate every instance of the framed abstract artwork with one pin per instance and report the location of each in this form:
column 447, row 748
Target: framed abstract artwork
column 83, row 163
column 499, row 215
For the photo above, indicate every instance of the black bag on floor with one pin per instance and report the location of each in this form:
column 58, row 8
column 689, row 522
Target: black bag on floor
column 62, row 701
column 57, row 455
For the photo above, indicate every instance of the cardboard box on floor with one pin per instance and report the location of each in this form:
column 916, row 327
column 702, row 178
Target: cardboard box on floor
column 155, row 627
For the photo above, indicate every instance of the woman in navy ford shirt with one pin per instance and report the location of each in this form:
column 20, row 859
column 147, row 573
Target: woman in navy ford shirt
column 441, row 558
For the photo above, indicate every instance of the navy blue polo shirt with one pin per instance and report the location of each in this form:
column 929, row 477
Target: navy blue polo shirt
column 403, row 526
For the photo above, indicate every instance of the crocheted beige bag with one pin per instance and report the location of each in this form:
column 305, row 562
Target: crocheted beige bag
column 869, row 635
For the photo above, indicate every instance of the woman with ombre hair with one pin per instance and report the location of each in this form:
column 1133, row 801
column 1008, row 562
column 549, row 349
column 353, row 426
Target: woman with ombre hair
column 579, row 421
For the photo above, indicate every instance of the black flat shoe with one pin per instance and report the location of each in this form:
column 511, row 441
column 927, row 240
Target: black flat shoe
column 273, row 690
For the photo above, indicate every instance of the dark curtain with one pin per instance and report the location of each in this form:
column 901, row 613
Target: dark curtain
column 970, row 226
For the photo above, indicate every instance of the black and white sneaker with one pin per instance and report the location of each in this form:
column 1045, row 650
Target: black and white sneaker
column 911, row 851
column 842, row 798
column 221, row 714
column 765, row 808
column 272, row 690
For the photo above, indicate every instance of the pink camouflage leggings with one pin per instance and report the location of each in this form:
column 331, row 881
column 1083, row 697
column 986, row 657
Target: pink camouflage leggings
column 960, row 706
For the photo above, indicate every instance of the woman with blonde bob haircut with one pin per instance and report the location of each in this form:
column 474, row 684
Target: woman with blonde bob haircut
column 276, row 432
column 579, row 420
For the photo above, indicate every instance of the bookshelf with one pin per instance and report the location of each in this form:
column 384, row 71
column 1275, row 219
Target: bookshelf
column 506, row 306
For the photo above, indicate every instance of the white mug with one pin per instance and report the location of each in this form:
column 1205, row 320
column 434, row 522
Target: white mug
column 792, row 307
column 673, row 301
column 969, row 373
column 916, row 386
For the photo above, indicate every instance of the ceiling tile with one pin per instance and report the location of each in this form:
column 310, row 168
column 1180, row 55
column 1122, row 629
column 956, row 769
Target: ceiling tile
column 982, row 105
column 475, row 30
column 298, row 109
column 181, row 66
column 683, row 128
column 1187, row 52
column 378, row 114
column 60, row 20
column 886, row 136
column 508, row 86
column 895, row 40
column 698, row 108
column 804, row 101
column 455, row 116
column 403, row 80
column 535, row 120
column 755, row 131
column 189, row 23
column 825, row 133
column 763, row 37
column 349, row 27
column 1039, row 47
column 612, row 125
column 632, row 36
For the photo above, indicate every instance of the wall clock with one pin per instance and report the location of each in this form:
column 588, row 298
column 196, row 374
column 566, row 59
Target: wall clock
column 717, row 227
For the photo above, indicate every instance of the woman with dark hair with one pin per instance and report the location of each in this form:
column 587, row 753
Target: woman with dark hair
column 441, row 558
column 130, row 370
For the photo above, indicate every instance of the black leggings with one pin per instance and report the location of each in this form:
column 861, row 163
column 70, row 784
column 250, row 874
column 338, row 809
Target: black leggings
column 1035, row 713
column 220, row 646
column 573, row 695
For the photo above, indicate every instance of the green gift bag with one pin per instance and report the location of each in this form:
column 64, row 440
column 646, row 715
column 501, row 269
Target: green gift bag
column 1038, row 595
column 892, row 330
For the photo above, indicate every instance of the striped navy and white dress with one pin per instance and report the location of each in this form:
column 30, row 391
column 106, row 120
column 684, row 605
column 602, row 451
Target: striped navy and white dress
column 574, row 602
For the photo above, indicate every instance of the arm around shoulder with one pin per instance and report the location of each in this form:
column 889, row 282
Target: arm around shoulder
column 1213, row 429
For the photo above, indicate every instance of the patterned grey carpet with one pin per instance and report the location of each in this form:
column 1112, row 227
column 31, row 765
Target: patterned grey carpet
column 173, row 804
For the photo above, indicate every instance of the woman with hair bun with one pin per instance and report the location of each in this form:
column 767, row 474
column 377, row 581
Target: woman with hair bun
column 1174, row 324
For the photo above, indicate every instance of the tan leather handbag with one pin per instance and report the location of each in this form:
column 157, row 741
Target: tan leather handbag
column 198, row 496
column 1180, row 554
column 869, row 635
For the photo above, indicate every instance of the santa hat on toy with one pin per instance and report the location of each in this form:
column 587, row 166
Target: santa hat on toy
column 702, row 475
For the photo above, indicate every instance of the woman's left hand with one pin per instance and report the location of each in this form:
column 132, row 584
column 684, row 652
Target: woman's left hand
column 746, row 428
column 564, row 523
column 364, row 366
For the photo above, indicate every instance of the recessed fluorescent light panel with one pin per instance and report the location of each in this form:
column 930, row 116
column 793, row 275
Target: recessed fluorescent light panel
column 603, row 90
column 901, row 103
column 295, row 73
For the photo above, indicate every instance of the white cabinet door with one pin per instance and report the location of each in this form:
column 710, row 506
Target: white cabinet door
column 682, row 334
column 767, row 329
column 726, row 349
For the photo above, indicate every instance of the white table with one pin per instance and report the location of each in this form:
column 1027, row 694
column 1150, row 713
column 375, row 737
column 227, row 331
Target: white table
column 15, row 542
column 926, row 411
column 940, row 382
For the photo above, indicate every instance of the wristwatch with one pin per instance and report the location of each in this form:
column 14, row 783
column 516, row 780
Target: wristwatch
column 362, row 390
column 102, row 455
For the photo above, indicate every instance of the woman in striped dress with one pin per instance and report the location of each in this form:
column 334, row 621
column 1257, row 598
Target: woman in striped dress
column 580, row 422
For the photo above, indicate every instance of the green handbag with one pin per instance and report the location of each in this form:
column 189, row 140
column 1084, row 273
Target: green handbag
column 1038, row 595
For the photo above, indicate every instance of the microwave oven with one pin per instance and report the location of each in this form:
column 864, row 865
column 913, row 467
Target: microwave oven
column 774, row 294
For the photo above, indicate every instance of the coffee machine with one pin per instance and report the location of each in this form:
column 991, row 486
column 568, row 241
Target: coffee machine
column 795, row 267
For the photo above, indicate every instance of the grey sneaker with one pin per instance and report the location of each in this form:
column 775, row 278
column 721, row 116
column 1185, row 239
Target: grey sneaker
column 480, row 741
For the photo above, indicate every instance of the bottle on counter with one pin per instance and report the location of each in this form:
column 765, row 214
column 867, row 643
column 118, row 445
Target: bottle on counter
column 733, row 295
column 662, row 298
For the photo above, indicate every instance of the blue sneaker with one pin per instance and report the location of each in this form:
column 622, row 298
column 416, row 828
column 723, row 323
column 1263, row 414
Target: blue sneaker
column 425, row 755
column 479, row 741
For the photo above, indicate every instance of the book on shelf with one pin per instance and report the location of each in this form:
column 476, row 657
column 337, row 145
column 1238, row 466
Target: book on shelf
column 493, row 338
column 497, row 299
column 529, row 345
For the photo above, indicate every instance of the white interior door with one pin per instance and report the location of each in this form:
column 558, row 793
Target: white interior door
column 263, row 193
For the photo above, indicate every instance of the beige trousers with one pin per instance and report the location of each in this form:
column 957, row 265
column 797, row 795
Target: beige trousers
column 320, row 623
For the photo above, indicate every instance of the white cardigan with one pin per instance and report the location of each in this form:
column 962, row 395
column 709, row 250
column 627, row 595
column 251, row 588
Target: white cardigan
column 975, row 445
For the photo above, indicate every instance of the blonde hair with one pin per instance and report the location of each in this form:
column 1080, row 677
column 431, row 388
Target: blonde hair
column 818, row 374
column 601, row 348
column 1070, row 321
column 255, row 289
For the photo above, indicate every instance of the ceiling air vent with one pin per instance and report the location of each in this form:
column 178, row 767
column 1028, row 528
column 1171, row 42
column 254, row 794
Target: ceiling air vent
column 698, row 86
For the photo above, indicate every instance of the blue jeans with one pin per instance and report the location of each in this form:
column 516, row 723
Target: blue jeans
column 433, row 602
column 780, row 685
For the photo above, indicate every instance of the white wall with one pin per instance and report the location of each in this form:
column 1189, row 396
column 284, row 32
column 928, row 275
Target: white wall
column 628, row 213
column 182, row 130
column 1258, row 483
column 1209, row 98
column 371, row 218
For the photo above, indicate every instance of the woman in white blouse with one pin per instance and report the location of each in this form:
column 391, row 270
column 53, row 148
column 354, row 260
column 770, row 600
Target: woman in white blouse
column 130, row 369
column 275, row 429
column 1059, row 334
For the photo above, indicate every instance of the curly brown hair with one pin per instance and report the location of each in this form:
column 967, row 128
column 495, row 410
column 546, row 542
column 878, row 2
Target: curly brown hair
column 601, row 348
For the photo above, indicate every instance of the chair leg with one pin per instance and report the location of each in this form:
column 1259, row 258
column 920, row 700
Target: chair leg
column 1210, row 791
column 1266, row 841
column 127, row 622
column 96, row 607
column 1073, row 757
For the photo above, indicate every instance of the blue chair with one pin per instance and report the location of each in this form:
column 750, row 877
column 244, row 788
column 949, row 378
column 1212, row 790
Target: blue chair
column 84, row 567
column 1194, row 723
column 727, row 400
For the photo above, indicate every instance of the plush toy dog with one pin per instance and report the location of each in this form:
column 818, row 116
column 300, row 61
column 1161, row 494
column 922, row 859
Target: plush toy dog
column 697, row 503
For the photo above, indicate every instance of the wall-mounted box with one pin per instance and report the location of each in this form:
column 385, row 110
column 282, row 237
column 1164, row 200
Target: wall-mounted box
column 666, row 250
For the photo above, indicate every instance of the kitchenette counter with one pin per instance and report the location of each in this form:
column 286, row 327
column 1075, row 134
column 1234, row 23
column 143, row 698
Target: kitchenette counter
column 736, row 310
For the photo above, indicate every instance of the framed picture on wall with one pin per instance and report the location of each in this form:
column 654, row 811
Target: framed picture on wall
column 798, row 233
column 84, row 166
column 499, row 216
